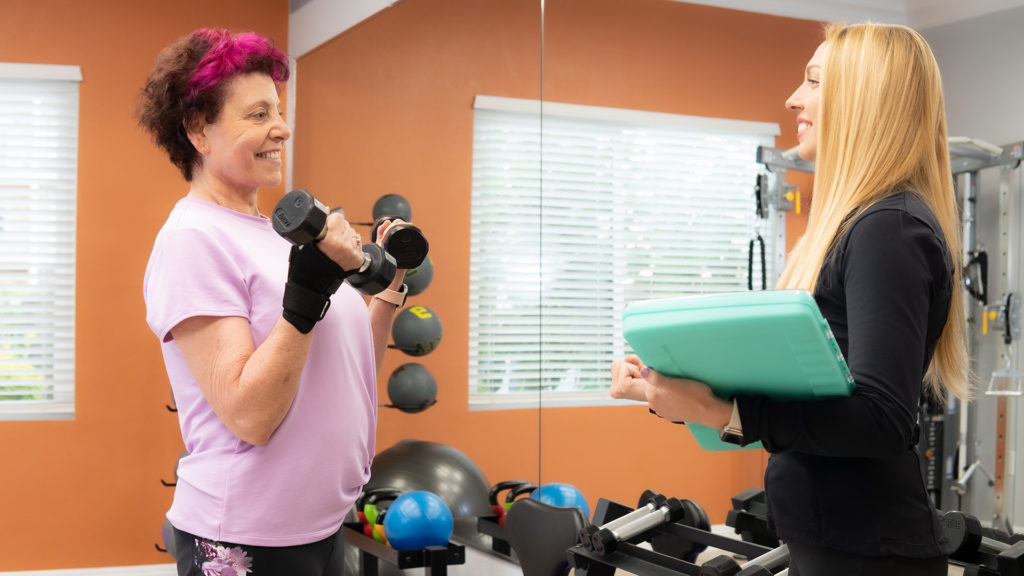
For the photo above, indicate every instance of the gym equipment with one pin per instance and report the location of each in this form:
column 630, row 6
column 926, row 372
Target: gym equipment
column 369, row 511
column 302, row 219
column 786, row 346
column 392, row 204
column 606, row 540
column 411, row 388
column 763, row 565
column 562, row 495
column 515, row 492
column 749, row 517
column 418, row 465
column 418, row 278
column 167, row 537
column 416, row 331
column 418, row 519
column 540, row 534
column 630, row 556
column 405, row 242
column 492, row 498
column 973, row 547
column 366, row 557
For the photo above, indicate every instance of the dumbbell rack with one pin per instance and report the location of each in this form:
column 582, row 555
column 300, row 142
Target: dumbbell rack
column 632, row 558
column 434, row 559
column 489, row 525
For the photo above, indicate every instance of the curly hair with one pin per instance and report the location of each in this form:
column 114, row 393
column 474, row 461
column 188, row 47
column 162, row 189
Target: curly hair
column 187, row 83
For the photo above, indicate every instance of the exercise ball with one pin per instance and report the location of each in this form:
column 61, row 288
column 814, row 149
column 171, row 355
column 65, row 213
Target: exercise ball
column 419, row 465
column 411, row 388
column 392, row 205
column 167, row 533
column 418, row 519
column 416, row 331
column 563, row 496
column 419, row 277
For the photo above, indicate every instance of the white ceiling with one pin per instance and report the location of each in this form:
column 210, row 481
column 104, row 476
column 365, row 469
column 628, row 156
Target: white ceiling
column 916, row 13
column 313, row 22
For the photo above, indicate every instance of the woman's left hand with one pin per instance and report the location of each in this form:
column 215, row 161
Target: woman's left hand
column 685, row 400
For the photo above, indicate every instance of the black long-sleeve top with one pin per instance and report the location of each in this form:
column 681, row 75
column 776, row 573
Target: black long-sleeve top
column 845, row 473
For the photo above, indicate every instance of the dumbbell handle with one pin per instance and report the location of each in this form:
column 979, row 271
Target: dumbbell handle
column 769, row 560
column 605, row 540
column 632, row 516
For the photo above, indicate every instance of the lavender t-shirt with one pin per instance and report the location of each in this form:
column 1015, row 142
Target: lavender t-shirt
column 212, row 261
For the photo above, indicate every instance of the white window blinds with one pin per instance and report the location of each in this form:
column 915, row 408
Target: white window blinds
column 608, row 207
column 38, row 191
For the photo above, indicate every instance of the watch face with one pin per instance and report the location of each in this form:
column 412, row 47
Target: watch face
column 731, row 437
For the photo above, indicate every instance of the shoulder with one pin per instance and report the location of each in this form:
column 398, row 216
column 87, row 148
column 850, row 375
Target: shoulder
column 904, row 207
column 901, row 228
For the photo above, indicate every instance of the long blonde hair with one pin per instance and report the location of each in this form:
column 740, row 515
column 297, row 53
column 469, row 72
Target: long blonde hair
column 882, row 128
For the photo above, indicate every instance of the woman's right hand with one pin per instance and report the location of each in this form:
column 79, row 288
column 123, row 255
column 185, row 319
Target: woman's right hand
column 341, row 243
column 626, row 380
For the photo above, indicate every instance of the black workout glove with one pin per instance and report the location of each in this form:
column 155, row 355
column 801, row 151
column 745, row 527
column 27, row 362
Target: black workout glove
column 312, row 279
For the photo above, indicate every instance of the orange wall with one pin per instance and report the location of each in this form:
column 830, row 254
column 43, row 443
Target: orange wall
column 373, row 121
column 386, row 107
column 87, row 492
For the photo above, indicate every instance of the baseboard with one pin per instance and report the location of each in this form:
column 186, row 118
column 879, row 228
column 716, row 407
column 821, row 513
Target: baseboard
column 148, row 570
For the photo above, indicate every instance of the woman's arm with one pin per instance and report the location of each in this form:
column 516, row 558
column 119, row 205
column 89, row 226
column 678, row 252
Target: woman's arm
column 250, row 389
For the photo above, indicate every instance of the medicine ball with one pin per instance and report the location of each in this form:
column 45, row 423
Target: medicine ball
column 418, row 519
column 392, row 205
column 416, row 331
column 563, row 496
column 167, row 533
column 411, row 388
column 419, row 277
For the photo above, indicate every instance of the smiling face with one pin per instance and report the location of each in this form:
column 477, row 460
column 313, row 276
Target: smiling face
column 804, row 102
column 242, row 148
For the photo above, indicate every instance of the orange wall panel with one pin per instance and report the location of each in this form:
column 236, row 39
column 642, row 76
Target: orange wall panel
column 87, row 493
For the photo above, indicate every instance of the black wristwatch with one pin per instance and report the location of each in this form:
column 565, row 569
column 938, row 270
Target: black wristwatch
column 733, row 431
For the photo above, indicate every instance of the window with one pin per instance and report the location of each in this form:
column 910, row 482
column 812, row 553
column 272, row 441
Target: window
column 38, row 191
column 610, row 206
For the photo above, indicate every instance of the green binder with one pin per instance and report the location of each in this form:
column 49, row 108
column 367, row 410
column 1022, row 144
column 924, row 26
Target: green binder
column 773, row 343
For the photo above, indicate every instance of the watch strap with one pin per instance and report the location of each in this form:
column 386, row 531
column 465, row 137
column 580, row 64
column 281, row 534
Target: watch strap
column 396, row 297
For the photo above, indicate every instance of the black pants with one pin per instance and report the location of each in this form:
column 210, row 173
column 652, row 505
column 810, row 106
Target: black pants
column 811, row 560
column 201, row 557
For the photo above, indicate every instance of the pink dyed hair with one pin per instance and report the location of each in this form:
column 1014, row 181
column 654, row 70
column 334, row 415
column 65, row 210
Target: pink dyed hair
column 230, row 55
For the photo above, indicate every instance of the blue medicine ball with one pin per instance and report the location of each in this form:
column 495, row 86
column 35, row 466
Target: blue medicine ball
column 418, row 519
column 563, row 496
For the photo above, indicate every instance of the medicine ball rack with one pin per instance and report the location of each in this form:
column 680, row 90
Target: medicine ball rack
column 433, row 559
column 632, row 558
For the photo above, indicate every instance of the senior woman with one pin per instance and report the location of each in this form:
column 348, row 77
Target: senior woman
column 276, row 404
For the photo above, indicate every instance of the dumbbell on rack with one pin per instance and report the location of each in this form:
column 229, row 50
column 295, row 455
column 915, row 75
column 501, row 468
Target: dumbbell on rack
column 302, row 220
column 666, row 510
column 972, row 547
column 763, row 565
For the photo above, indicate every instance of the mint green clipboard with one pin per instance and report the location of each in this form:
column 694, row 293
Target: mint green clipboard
column 774, row 343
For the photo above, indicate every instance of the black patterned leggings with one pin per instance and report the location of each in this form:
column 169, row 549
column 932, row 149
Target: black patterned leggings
column 201, row 557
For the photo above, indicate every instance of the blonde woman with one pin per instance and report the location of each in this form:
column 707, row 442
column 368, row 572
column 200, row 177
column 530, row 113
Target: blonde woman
column 881, row 255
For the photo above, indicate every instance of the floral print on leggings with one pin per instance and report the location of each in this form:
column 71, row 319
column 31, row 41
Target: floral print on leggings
column 215, row 560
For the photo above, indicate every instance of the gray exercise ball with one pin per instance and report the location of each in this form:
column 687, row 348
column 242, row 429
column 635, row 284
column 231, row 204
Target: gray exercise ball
column 392, row 205
column 419, row 277
column 416, row 331
column 419, row 465
column 412, row 388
